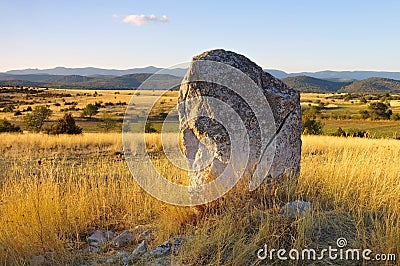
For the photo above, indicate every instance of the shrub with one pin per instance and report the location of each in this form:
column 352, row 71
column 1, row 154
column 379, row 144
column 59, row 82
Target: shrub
column 8, row 109
column 36, row 119
column 340, row 132
column 365, row 114
column 90, row 110
column 355, row 132
column 65, row 125
column 395, row 116
column 379, row 110
column 310, row 125
column 149, row 128
column 107, row 123
column 6, row 126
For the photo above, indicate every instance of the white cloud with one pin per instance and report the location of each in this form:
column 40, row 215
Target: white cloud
column 141, row 20
column 115, row 16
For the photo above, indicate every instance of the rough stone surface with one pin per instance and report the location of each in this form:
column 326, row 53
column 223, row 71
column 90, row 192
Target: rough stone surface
column 296, row 208
column 177, row 245
column 98, row 238
column 123, row 239
column 160, row 250
column 37, row 260
column 140, row 249
column 204, row 137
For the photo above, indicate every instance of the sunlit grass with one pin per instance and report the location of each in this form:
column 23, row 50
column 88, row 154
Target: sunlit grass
column 57, row 189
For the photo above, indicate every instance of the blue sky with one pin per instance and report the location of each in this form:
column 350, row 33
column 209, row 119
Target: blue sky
column 288, row 35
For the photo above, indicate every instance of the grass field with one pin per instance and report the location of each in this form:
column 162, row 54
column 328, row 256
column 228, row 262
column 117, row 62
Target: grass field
column 56, row 190
column 81, row 184
column 336, row 112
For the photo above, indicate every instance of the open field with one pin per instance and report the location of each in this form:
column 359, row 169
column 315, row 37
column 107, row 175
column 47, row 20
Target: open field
column 63, row 101
column 336, row 112
column 56, row 190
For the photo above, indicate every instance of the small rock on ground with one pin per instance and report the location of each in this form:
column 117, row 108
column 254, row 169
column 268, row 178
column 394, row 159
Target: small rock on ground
column 296, row 208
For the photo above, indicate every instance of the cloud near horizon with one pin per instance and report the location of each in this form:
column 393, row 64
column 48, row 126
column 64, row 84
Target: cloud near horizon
column 141, row 20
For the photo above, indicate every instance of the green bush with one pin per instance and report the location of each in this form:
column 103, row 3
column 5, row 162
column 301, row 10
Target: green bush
column 310, row 125
column 340, row 132
column 379, row 110
column 395, row 116
column 149, row 128
column 90, row 110
column 352, row 132
column 6, row 126
column 36, row 119
column 355, row 132
column 8, row 109
column 365, row 114
column 65, row 125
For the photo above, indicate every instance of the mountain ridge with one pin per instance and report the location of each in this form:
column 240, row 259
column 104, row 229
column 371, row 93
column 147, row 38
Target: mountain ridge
column 96, row 78
column 180, row 72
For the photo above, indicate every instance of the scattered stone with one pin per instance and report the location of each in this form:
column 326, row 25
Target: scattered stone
column 37, row 260
column 124, row 239
column 145, row 235
column 98, row 238
column 93, row 249
column 296, row 208
column 110, row 260
column 206, row 142
column 163, row 249
column 120, row 254
column 140, row 249
column 177, row 244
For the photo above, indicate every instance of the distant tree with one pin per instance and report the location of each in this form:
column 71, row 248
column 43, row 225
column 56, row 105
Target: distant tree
column 365, row 114
column 395, row 116
column 65, row 125
column 379, row 110
column 17, row 113
column 340, row 132
column 355, row 132
column 149, row 127
column 37, row 117
column 8, row 108
column 6, row 126
column 310, row 125
column 90, row 110
column 107, row 123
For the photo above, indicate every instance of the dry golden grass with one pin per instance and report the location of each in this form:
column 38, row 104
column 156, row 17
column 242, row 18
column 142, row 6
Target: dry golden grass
column 81, row 185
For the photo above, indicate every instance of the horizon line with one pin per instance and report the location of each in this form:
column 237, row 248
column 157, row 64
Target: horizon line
column 149, row 66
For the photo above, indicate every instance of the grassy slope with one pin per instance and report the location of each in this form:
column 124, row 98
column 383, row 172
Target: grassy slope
column 309, row 84
column 373, row 85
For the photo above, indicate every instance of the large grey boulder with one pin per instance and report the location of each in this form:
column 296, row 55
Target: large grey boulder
column 267, row 135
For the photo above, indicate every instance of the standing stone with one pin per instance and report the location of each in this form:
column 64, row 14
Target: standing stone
column 206, row 142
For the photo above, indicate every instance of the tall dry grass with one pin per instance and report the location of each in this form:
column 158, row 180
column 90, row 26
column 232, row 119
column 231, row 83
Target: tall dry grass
column 81, row 185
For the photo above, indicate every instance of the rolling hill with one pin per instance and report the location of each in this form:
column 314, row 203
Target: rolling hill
column 92, row 71
column 125, row 82
column 310, row 84
column 95, row 78
column 373, row 85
